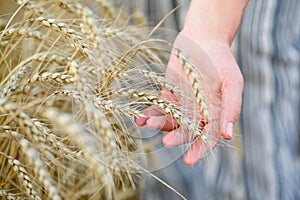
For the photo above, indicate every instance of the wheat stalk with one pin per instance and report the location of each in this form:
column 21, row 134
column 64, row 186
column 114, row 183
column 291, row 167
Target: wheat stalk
column 23, row 176
column 194, row 78
column 38, row 166
column 71, row 82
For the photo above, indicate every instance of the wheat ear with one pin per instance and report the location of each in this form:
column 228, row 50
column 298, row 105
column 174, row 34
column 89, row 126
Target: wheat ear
column 9, row 196
column 194, row 78
column 23, row 175
column 39, row 169
column 74, row 130
column 168, row 108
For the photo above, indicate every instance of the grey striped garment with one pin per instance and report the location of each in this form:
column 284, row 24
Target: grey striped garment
column 155, row 10
column 269, row 55
column 268, row 52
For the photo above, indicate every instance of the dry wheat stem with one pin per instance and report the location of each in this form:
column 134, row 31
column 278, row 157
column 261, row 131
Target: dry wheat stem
column 29, row 126
column 69, row 33
column 22, row 119
column 71, row 83
column 88, row 18
column 23, row 176
column 55, row 141
column 163, row 83
column 38, row 166
column 106, row 8
column 171, row 109
column 19, row 68
column 97, row 117
column 73, row 130
column 121, row 64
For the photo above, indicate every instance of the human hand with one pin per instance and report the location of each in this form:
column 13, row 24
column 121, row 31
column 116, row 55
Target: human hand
column 222, row 86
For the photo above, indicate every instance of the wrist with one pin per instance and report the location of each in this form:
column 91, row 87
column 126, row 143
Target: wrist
column 215, row 18
column 205, row 36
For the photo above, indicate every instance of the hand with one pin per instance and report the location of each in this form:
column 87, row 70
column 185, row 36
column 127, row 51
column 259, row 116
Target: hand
column 222, row 85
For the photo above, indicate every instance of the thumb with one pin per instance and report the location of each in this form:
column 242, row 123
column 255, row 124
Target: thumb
column 232, row 89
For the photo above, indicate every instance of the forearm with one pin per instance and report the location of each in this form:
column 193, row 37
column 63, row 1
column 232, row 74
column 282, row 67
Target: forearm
column 217, row 18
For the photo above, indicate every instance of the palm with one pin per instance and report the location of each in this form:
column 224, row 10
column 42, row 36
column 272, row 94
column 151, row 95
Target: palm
column 216, row 70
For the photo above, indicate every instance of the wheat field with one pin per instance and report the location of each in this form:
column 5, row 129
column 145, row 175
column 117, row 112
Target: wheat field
column 73, row 77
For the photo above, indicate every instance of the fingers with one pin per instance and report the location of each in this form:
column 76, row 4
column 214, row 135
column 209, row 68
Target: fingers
column 151, row 111
column 141, row 121
column 199, row 149
column 156, row 119
column 196, row 152
column 177, row 137
column 232, row 90
column 164, row 123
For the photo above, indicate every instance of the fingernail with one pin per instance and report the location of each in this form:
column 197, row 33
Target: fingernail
column 229, row 130
column 141, row 121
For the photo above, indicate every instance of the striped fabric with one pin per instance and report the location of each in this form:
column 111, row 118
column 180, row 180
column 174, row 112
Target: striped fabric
column 155, row 10
column 268, row 52
column 269, row 55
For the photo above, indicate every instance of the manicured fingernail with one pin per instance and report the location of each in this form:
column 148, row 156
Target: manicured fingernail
column 229, row 129
column 141, row 121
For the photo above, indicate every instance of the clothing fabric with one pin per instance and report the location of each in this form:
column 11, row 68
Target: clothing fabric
column 155, row 10
column 269, row 55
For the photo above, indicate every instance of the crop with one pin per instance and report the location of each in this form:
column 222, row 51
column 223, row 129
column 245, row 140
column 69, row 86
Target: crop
column 73, row 76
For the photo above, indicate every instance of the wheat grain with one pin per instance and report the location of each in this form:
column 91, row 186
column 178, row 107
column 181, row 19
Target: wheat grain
column 59, row 77
column 29, row 127
column 24, row 31
column 99, row 119
column 194, row 80
column 69, row 33
column 55, row 142
column 169, row 109
column 72, row 79
column 89, row 25
column 163, row 83
column 89, row 152
column 38, row 166
column 23, row 176
column 22, row 119
column 13, row 82
column 9, row 196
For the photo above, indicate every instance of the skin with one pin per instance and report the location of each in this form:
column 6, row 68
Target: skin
column 209, row 29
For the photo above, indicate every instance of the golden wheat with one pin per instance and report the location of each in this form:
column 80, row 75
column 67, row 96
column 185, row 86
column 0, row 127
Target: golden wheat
column 72, row 79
